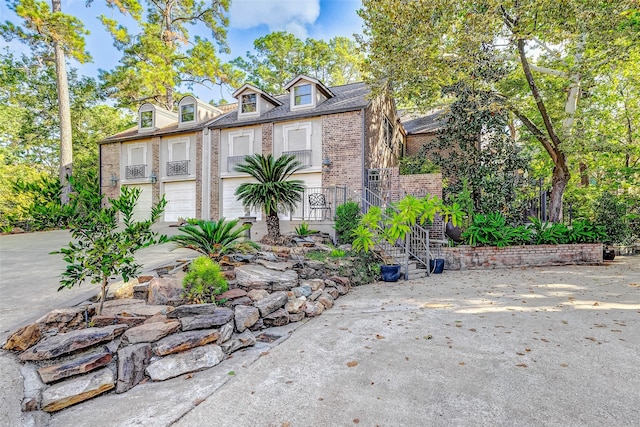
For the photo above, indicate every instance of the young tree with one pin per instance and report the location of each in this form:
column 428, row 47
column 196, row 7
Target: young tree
column 281, row 56
column 51, row 32
column 161, row 55
column 274, row 192
column 102, row 248
column 553, row 49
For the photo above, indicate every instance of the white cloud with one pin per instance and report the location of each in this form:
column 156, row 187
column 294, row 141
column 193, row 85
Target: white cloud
column 278, row 15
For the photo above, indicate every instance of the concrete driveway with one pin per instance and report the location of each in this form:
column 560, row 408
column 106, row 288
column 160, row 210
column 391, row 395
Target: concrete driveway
column 29, row 275
column 553, row 346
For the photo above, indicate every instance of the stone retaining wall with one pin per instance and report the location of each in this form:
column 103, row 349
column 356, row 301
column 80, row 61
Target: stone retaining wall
column 490, row 257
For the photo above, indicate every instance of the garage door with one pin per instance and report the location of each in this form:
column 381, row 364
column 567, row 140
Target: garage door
column 231, row 207
column 142, row 210
column 181, row 200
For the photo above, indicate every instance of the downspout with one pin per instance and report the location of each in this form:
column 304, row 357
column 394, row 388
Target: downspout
column 206, row 174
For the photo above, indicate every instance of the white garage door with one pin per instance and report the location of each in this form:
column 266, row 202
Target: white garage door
column 231, row 207
column 142, row 210
column 181, row 200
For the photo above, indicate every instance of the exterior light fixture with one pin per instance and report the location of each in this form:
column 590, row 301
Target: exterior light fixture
column 153, row 177
column 326, row 163
column 113, row 180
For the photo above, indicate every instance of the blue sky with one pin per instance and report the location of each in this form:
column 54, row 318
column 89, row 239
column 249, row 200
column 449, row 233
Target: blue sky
column 248, row 20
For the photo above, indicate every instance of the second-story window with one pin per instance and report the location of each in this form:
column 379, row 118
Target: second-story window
column 249, row 103
column 146, row 119
column 187, row 113
column 388, row 132
column 302, row 95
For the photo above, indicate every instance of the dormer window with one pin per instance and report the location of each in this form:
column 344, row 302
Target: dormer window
column 146, row 119
column 249, row 103
column 187, row 113
column 302, row 95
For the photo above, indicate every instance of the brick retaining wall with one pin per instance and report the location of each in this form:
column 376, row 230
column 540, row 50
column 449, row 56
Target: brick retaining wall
column 490, row 257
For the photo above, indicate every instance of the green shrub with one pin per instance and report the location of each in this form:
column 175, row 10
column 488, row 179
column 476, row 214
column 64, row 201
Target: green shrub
column 203, row 281
column 586, row 232
column 610, row 214
column 303, row 230
column 347, row 217
column 337, row 253
column 547, row 233
column 213, row 238
column 417, row 164
column 490, row 230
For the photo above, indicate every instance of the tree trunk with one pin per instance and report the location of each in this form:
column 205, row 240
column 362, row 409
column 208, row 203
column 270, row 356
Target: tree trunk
column 64, row 112
column 559, row 180
column 584, row 177
column 273, row 226
column 103, row 295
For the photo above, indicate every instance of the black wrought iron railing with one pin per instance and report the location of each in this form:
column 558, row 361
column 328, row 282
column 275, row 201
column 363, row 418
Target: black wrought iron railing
column 178, row 167
column 303, row 156
column 135, row 171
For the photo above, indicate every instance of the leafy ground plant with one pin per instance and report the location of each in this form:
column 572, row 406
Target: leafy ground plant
column 213, row 238
column 347, row 217
column 303, row 230
column 204, row 281
column 102, row 247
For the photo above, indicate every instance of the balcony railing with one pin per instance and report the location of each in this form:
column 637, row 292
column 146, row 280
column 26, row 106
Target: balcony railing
column 135, row 171
column 233, row 161
column 178, row 167
column 303, row 156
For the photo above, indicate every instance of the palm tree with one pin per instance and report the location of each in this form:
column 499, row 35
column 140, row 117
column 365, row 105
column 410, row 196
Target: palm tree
column 273, row 192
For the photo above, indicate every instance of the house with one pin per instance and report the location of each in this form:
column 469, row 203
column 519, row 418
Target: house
column 339, row 133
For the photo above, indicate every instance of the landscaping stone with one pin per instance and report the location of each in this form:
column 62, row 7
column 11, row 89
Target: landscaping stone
column 271, row 303
column 185, row 341
column 342, row 289
column 141, row 290
column 296, row 317
column 229, row 275
column 136, row 308
column 32, row 388
column 326, row 299
column 277, row 266
column 341, row 280
column 150, row 332
column 257, row 294
column 245, row 317
column 71, row 341
column 314, row 284
column 315, row 265
column 23, row 338
column 302, row 291
column 333, row 292
column 75, row 390
column 76, row 366
column 132, row 362
column 226, row 331
column 258, row 325
column 239, row 301
column 296, row 305
column 62, row 320
column 165, row 291
column 252, row 276
column 313, row 309
column 100, row 321
column 238, row 341
column 144, row 279
column 192, row 310
column 232, row 294
column 315, row 295
column 121, row 289
column 221, row 316
column 279, row 317
column 187, row 361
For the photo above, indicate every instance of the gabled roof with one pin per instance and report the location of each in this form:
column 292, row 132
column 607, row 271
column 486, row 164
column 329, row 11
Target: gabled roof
column 321, row 87
column 345, row 98
column 262, row 93
column 132, row 134
column 417, row 123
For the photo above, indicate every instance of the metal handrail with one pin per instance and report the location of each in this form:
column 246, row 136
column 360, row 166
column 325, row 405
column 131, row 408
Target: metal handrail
column 303, row 156
column 233, row 161
column 135, row 171
column 178, row 167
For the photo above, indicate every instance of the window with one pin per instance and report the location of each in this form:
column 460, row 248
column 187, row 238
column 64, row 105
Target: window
column 146, row 119
column 388, row 132
column 188, row 113
column 249, row 104
column 297, row 142
column 135, row 166
column 302, row 95
column 240, row 146
column 178, row 163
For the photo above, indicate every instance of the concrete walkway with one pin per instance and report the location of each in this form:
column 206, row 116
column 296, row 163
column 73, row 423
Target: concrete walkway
column 542, row 346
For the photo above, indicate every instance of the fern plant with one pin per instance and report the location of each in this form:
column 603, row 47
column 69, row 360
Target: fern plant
column 213, row 238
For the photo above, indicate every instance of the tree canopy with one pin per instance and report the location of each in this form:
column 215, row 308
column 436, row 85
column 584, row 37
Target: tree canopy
column 553, row 53
column 281, row 56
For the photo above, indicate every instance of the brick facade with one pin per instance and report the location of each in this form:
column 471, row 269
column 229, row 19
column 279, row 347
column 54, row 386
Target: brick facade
column 422, row 184
column 415, row 142
column 155, row 167
column 110, row 158
column 198, row 166
column 488, row 258
column 215, row 174
column 267, row 138
column 378, row 154
column 342, row 145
